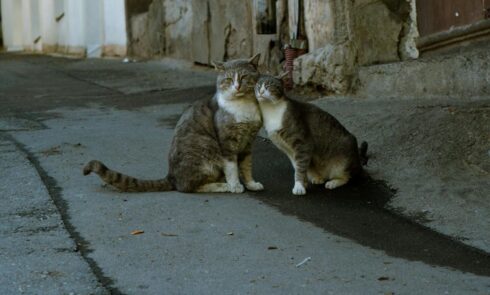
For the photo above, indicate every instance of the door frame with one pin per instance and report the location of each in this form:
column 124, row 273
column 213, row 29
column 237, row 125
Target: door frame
column 478, row 30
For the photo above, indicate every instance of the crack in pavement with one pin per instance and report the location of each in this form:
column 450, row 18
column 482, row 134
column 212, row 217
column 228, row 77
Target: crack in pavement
column 55, row 192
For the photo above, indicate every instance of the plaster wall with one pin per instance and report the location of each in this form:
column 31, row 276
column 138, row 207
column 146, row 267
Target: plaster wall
column 354, row 34
column 319, row 23
column 12, row 25
column 48, row 25
column 94, row 31
column 195, row 30
column 114, row 23
column 66, row 26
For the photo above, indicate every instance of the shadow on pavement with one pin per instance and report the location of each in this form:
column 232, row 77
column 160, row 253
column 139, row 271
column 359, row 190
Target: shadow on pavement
column 358, row 212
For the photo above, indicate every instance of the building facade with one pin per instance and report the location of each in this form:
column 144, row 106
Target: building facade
column 335, row 38
column 90, row 28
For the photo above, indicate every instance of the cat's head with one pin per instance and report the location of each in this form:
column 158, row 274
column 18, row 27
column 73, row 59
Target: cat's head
column 270, row 89
column 237, row 78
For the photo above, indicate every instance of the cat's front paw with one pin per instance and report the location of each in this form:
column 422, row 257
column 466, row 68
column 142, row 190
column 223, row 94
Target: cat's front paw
column 298, row 188
column 254, row 186
column 236, row 188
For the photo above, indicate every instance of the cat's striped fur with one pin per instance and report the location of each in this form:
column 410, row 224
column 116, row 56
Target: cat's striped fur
column 211, row 147
column 319, row 147
column 124, row 182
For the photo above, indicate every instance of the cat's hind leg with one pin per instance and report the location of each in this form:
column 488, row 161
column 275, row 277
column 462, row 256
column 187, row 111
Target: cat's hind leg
column 216, row 187
column 245, row 167
column 336, row 182
column 338, row 174
column 314, row 177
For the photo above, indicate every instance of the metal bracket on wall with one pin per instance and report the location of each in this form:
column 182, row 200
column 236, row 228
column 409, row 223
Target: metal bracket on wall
column 59, row 17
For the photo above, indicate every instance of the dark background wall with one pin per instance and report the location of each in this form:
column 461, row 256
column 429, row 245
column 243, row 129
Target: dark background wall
column 137, row 6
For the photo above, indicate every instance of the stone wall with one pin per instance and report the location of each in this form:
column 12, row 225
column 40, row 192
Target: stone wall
column 361, row 32
column 319, row 23
column 195, row 30
column 342, row 35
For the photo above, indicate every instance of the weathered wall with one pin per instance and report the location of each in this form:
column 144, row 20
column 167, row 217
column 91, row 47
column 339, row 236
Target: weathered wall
column 332, row 66
column 319, row 23
column 65, row 26
column 360, row 32
column 227, row 30
column 195, row 30
column 376, row 31
column 342, row 35
column 12, row 24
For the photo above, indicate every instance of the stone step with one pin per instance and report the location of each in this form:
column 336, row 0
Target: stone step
column 461, row 74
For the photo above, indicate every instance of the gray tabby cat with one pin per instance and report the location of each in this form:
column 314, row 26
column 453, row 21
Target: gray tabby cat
column 319, row 147
column 213, row 139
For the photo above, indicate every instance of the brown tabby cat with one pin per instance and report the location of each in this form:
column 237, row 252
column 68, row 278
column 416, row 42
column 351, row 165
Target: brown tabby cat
column 319, row 147
column 212, row 142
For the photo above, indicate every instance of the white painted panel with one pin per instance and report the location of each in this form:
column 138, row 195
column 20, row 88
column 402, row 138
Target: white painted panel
column 12, row 24
column 35, row 15
column 74, row 17
column 94, row 27
column 115, row 22
column 49, row 26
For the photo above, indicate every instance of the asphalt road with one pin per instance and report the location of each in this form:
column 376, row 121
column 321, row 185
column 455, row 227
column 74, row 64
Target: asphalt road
column 64, row 233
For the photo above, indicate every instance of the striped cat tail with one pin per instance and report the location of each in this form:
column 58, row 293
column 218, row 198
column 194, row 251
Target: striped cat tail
column 363, row 153
column 126, row 183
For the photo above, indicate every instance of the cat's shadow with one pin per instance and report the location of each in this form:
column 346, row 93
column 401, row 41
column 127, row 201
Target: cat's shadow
column 360, row 211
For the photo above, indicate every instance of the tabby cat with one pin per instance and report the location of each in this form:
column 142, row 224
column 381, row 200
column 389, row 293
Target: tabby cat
column 213, row 139
column 319, row 147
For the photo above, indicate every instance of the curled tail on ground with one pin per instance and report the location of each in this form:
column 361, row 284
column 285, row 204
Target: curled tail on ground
column 124, row 182
column 363, row 153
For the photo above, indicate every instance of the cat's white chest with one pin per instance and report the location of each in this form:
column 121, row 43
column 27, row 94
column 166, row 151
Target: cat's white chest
column 241, row 110
column 273, row 116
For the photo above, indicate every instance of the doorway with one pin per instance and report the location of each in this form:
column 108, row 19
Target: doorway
column 440, row 15
column 444, row 22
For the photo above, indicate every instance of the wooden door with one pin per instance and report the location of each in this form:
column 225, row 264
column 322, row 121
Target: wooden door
column 435, row 16
column 486, row 4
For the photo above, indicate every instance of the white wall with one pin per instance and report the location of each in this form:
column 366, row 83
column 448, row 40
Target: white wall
column 83, row 27
column 12, row 24
column 94, row 31
column 49, row 25
column 115, row 22
column 72, row 28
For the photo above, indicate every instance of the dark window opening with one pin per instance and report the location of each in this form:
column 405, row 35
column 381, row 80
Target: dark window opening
column 265, row 15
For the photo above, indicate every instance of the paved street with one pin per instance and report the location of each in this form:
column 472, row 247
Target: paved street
column 63, row 233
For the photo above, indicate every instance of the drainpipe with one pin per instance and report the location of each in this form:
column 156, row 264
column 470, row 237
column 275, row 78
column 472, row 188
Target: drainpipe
column 297, row 43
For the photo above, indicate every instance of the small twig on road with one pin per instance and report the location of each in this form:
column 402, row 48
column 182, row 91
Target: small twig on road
column 303, row 262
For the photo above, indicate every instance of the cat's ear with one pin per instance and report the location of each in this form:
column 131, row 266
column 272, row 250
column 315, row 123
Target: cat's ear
column 218, row 65
column 282, row 76
column 254, row 60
